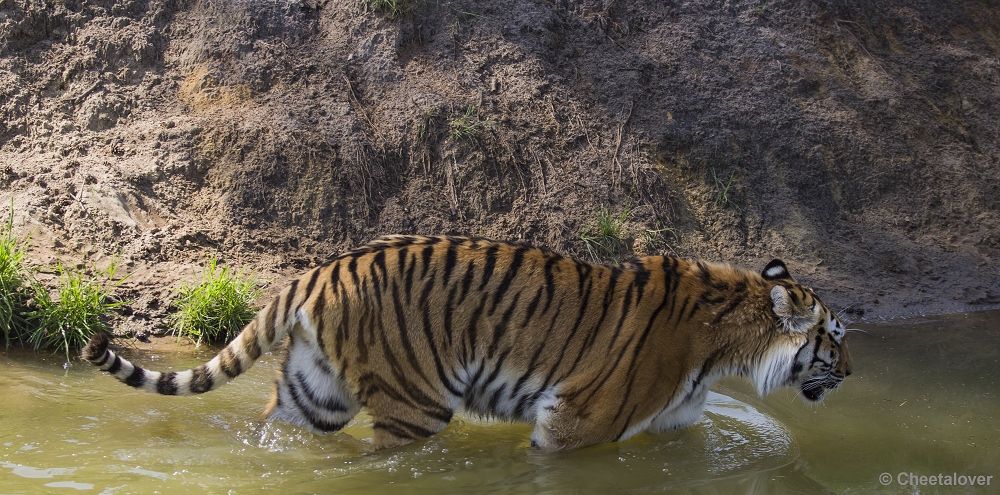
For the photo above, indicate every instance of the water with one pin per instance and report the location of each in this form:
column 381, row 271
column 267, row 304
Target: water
column 922, row 400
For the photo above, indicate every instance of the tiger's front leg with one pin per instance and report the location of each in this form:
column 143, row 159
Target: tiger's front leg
column 561, row 423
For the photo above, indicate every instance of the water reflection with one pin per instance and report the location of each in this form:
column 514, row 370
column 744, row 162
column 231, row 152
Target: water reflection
column 922, row 399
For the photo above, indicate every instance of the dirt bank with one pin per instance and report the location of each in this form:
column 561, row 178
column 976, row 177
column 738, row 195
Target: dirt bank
column 857, row 142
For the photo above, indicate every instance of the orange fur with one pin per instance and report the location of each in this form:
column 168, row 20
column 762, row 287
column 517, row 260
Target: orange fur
column 413, row 328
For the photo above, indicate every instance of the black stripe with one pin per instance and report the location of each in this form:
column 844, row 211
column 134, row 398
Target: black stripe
column 442, row 413
column 511, row 272
column 324, row 366
column 343, row 328
column 437, row 358
column 334, row 275
column 584, row 304
column 670, row 278
column 404, row 333
column 370, row 384
column 449, row 310
column 166, row 384
column 352, row 268
column 115, row 365
column 627, row 420
column 794, row 296
column 538, row 352
column 450, row 260
column 319, row 315
column 466, row 282
column 639, row 346
column 376, row 280
column 201, row 380
column 550, row 281
column 626, row 306
column 319, row 423
column 267, row 320
column 137, row 378
column 706, row 368
column 393, row 430
column 695, row 307
column 228, row 363
column 379, row 262
column 310, row 285
column 417, row 430
column 501, row 328
column 401, row 259
column 526, row 401
column 579, row 320
column 471, row 332
column 408, row 283
column 649, row 327
column 327, row 403
column 426, row 255
column 736, row 301
column 597, row 385
column 496, row 371
column 641, row 279
column 475, row 378
column 104, row 358
column 489, row 266
column 495, row 399
column 815, row 352
column 250, row 345
column 429, row 286
column 286, row 305
column 532, row 306
column 605, row 306
column 680, row 314
column 403, row 378
column 583, row 271
column 430, row 406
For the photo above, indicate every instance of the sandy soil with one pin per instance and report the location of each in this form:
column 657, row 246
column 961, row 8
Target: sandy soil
column 857, row 142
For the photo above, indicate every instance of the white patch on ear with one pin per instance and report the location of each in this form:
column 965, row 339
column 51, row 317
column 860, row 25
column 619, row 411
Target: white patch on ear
column 774, row 272
column 795, row 323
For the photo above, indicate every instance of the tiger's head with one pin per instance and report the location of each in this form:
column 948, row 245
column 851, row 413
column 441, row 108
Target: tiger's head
column 814, row 335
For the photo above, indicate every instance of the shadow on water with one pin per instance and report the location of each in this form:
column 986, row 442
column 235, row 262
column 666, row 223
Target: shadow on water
column 922, row 400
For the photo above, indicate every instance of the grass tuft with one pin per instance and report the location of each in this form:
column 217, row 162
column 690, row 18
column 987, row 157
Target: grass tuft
column 13, row 294
column 394, row 9
column 79, row 311
column 466, row 125
column 607, row 238
column 652, row 239
column 219, row 307
column 722, row 188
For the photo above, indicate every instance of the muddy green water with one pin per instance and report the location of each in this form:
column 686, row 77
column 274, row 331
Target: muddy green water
column 922, row 400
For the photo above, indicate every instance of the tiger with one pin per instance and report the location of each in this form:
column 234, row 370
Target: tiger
column 413, row 328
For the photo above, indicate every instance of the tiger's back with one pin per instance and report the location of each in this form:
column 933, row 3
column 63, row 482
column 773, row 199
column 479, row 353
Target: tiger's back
column 412, row 328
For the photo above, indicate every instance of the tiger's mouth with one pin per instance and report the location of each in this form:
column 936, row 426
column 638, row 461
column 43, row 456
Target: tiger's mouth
column 813, row 394
column 815, row 389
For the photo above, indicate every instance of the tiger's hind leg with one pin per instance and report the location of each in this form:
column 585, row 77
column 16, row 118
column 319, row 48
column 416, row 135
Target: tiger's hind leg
column 391, row 431
column 401, row 416
column 310, row 393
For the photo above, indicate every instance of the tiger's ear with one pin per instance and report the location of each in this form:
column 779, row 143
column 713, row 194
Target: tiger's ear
column 795, row 320
column 776, row 270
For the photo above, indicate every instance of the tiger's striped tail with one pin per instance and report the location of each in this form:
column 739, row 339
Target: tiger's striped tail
column 269, row 326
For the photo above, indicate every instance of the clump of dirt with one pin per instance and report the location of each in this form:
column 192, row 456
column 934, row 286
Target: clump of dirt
column 855, row 141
